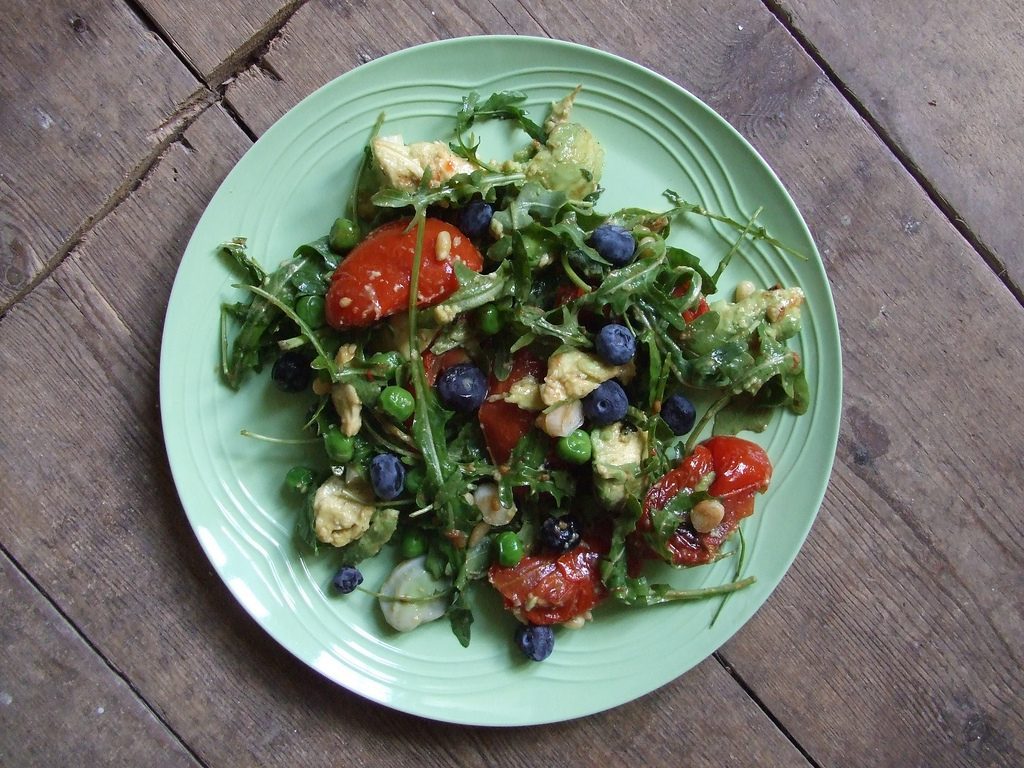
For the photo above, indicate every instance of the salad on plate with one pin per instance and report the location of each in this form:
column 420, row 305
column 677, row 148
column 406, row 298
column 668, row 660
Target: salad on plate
column 511, row 386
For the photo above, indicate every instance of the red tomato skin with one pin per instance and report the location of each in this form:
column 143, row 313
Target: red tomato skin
column 560, row 587
column 373, row 280
column 689, row 315
column 503, row 424
column 741, row 468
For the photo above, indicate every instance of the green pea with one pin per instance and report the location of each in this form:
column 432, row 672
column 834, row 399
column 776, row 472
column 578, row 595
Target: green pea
column 397, row 403
column 340, row 448
column 299, row 479
column 413, row 544
column 414, row 479
column 310, row 310
column 488, row 319
column 576, row 447
column 509, row 548
column 344, row 236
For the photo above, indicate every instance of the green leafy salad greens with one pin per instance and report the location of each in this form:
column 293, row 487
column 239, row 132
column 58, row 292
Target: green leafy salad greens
column 463, row 511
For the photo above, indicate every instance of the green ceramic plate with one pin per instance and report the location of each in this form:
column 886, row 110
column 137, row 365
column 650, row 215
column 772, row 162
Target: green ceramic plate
column 287, row 190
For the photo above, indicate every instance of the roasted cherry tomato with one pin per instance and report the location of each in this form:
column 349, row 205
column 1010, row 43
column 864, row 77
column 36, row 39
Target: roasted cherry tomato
column 551, row 589
column 373, row 280
column 503, row 424
column 741, row 469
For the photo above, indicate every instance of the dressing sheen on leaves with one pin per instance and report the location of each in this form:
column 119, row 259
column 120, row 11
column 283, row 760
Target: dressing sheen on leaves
column 407, row 296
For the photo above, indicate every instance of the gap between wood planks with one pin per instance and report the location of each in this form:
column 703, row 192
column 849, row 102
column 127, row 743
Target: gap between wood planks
column 172, row 129
column 761, row 705
column 785, row 18
column 99, row 654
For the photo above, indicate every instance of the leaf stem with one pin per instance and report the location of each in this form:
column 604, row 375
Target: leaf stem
column 739, row 569
column 705, row 592
column 571, row 274
column 709, row 414
column 279, row 440
column 306, row 331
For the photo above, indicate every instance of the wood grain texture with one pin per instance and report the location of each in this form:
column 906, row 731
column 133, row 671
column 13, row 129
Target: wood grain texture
column 85, row 92
column 945, row 81
column 214, row 36
column 356, row 33
column 88, row 443
column 929, row 464
column 59, row 703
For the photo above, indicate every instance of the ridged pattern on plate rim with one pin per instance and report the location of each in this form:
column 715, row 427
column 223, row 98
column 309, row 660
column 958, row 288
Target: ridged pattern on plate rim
column 281, row 194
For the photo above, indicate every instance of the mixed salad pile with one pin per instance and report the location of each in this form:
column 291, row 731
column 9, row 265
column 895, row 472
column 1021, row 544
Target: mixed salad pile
column 503, row 380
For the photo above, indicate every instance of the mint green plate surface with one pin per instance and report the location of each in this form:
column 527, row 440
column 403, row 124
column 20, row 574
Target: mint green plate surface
column 287, row 190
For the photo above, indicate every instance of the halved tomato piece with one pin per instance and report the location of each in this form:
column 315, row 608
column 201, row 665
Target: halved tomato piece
column 373, row 280
column 503, row 424
column 549, row 588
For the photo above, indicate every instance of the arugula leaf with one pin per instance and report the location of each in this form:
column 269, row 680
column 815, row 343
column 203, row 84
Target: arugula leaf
column 382, row 527
column 526, row 469
column 467, row 447
column 477, row 289
column 754, row 233
column 275, row 292
column 503, row 105
column 368, row 180
column 469, row 151
column 235, row 248
column 536, row 322
column 461, row 617
column 319, row 249
column 533, row 203
column 742, row 414
column 459, row 189
column 638, row 592
column 305, row 531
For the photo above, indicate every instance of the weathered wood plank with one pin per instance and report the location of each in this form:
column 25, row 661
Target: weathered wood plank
column 90, row 444
column 84, row 96
column 291, row 68
column 213, row 37
column 919, row 448
column 944, row 80
column 60, row 704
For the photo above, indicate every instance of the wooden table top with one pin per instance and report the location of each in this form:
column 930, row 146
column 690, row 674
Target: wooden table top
column 896, row 637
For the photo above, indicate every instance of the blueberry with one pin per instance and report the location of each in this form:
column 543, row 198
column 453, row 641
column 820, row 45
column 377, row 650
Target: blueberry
column 679, row 414
column 387, row 475
column 476, row 218
column 615, row 244
column 536, row 643
column 347, row 579
column 462, row 387
column 291, row 371
column 606, row 404
column 560, row 533
column 616, row 344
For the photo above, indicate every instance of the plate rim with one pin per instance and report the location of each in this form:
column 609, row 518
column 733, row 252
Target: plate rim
column 830, row 427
